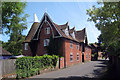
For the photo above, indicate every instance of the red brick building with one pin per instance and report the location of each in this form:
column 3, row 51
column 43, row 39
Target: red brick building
column 74, row 46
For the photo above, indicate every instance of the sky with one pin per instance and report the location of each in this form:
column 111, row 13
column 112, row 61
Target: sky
column 60, row 13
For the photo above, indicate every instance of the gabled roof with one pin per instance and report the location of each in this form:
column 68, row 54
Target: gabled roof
column 72, row 30
column 64, row 26
column 4, row 52
column 80, row 35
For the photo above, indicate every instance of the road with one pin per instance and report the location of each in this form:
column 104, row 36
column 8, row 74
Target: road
column 92, row 69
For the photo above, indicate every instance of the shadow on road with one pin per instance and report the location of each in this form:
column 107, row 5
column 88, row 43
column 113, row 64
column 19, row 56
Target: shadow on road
column 101, row 68
column 99, row 71
column 76, row 78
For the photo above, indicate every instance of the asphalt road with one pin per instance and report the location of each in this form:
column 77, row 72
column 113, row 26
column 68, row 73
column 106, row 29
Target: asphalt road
column 92, row 69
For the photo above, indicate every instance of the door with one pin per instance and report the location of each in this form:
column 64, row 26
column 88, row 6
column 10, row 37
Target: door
column 82, row 57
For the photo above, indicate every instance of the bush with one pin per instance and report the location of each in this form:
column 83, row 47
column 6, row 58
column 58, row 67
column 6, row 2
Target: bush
column 29, row 66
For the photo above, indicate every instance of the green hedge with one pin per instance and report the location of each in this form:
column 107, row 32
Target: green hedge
column 29, row 66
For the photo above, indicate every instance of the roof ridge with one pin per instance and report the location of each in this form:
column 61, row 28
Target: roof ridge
column 61, row 24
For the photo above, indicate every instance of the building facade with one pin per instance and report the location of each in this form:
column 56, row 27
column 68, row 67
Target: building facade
column 74, row 45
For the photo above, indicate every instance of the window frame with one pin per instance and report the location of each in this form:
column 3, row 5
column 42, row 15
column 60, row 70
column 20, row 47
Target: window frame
column 71, row 44
column 71, row 57
column 26, row 46
column 45, row 42
column 89, row 56
column 86, row 56
column 86, row 48
column 47, row 30
column 78, row 57
column 77, row 46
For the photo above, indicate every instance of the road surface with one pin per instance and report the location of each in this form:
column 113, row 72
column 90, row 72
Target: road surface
column 92, row 69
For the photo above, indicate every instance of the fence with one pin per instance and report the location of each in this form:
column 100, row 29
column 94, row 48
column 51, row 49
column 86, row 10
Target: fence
column 7, row 66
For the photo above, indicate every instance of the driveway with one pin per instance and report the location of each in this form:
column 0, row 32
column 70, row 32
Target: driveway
column 92, row 69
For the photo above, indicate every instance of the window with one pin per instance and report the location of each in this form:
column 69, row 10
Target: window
column 71, row 57
column 26, row 46
column 46, row 42
column 86, row 55
column 77, row 46
column 66, row 31
column 77, row 56
column 47, row 30
column 89, row 56
column 71, row 44
column 73, row 35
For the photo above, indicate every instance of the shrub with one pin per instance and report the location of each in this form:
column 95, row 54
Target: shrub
column 29, row 66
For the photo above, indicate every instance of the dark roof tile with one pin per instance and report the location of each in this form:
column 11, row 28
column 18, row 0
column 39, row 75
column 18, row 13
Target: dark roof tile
column 4, row 52
column 31, row 32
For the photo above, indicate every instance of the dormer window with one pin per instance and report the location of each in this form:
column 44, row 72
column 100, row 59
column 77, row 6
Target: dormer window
column 73, row 35
column 66, row 31
column 47, row 30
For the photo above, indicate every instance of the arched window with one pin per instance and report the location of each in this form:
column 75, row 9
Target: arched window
column 46, row 42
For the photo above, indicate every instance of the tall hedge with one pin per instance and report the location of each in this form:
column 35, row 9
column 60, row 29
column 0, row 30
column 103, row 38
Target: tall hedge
column 29, row 66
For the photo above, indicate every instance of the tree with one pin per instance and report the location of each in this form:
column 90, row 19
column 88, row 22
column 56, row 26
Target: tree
column 14, row 47
column 13, row 24
column 107, row 20
column 12, row 20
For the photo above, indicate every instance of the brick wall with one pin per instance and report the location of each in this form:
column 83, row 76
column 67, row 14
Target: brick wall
column 88, row 54
column 27, row 52
column 74, row 50
column 40, row 48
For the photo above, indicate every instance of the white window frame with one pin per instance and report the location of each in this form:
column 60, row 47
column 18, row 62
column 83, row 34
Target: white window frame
column 86, row 56
column 71, row 44
column 77, row 46
column 71, row 57
column 47, row 30
column 46, row 42
column 89, row 56
column 73, row 35
column 66, row 31
column 78, row 57
column 26, row 46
